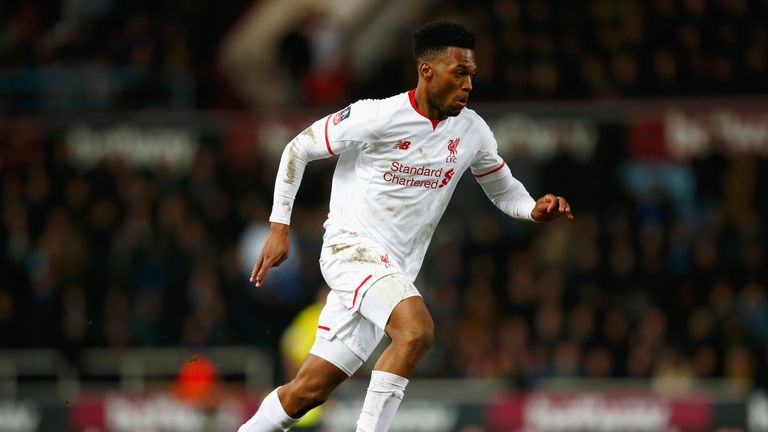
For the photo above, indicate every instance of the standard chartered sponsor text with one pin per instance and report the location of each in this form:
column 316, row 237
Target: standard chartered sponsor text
column 404, row 175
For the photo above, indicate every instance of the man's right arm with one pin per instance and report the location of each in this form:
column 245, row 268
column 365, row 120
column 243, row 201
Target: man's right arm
column 296, row 155
column 306, row 147
column 328, row 136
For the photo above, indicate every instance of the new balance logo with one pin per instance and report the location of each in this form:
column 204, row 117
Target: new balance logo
column 403, row 145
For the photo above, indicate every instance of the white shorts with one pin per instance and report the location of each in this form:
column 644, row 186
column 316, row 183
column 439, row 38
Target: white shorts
column 357, row 310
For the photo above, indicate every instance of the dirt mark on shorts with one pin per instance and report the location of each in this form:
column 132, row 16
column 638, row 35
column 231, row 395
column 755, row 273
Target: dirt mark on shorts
column 338, row 248
column 361, row 255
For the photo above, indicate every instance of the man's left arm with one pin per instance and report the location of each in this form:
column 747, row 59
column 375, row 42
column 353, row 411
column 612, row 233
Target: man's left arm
column 510, row 196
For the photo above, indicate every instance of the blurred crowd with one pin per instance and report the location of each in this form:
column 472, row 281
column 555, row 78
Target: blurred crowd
column 607, row 49
column 75, row 56
column 119, row 256
column 86, row 56
column 640, row 285
column 614, row 294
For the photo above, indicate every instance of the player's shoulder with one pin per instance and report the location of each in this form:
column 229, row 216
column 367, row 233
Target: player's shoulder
column 357, row 114
column 474, row 122
column 471, row 116
column 380, row 107
column 377, row 114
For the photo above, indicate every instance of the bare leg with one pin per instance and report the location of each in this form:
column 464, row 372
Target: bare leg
column 281, row 409
column 411, row 329
column 314, row 382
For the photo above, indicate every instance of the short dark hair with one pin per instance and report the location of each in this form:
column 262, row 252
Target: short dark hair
column 437, row 36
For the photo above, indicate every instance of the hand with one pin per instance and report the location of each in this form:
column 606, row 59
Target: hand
column 274, row 252
column 550, row 207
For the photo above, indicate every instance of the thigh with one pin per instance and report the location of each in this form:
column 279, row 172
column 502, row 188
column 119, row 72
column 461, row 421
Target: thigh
column 380, row 301
column 410, row 317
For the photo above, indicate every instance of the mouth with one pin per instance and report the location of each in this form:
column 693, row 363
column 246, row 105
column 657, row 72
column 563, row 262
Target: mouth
column 461, row 102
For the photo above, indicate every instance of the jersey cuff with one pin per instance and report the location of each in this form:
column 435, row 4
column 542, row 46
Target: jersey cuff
column 285, row 220
column 528, row 211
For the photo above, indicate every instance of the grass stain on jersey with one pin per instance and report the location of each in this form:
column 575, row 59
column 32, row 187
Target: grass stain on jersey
column 290, row 170
column 309, row 133
column 425, row 234
column 424, row 155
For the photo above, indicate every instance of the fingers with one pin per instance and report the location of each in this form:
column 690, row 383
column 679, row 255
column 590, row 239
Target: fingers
column 554, row 206
column 564, row 207
column 260, row 270
column 266, row 265
column 262, row 274
column 256, row 269
column 263, row 265
column 553, row 202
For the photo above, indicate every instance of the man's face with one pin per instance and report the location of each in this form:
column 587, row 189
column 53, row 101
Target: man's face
column 451, row 81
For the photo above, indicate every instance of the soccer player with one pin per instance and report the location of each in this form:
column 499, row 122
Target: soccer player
column 399, row 160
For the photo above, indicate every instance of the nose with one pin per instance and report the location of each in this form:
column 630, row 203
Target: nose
column 467, row 84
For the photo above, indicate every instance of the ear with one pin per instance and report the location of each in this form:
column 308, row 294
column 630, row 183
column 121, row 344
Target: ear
column 426, row 71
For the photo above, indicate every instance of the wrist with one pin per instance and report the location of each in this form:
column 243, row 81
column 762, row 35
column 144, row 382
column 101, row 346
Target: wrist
column 277, row 227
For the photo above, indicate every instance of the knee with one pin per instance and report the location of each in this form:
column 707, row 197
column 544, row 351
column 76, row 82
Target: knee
column 417, row 339
column 411, row 327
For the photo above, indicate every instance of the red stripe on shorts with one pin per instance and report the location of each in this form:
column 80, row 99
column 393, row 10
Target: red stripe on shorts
column 354, row 299
column 324, row 328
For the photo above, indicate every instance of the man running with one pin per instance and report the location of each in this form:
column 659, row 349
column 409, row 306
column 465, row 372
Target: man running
column 399, row 162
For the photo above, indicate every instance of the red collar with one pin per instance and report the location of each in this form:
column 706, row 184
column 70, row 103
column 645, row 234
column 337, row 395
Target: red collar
column 416, row 108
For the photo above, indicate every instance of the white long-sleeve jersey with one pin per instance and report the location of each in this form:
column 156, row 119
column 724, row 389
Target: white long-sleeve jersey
column 396, row 173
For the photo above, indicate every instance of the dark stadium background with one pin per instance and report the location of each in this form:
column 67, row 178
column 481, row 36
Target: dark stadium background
column 138, row 147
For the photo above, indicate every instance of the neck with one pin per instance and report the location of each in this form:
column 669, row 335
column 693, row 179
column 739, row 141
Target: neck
column 426, row 108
